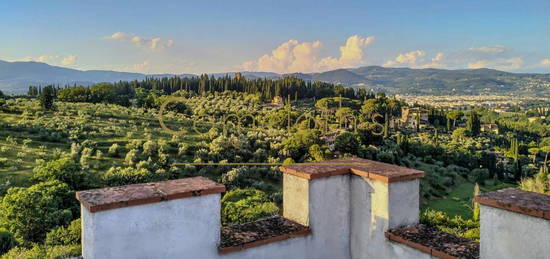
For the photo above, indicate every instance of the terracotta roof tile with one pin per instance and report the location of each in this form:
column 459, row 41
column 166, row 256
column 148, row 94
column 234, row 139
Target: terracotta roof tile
column 528, row 203
column 138, row 194
column 362, row 167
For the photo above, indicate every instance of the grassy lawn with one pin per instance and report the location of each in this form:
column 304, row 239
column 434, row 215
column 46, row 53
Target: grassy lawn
column 459, row 201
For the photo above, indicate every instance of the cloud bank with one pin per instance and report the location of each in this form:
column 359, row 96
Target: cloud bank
column 54, row 59
column 141, row 42
column 294, row 56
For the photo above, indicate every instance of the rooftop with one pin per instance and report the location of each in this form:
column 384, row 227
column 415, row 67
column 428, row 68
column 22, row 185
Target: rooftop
column 362, row 167
column 529, row 203
column 433, row 241
column 138, row 194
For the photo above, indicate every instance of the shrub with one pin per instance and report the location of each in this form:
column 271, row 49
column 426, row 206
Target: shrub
column 114, row 150
column 69, row 235
column 458, row 226
column 244, row 205
column 40, row 252
column 7, row 241
column 117, row 176
column 479, row 175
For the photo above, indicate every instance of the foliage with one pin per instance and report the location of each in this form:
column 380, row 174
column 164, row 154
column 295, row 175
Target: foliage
column 297, row 144
column 7, row 241
column 347, row 143
column 46, row 98
column 540, row 182
column 475, row 205
column 118, row 176
column 29, row 213
column 245, row 205
column 473, row 124
column 65, row 170
column 69, row 235
column 457, row 225
column 40, row 252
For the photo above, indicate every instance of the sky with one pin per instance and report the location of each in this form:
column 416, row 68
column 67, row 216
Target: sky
column 283, row 36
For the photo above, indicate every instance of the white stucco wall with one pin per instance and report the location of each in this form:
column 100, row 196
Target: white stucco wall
column 181, row 228
column 505, row 234
column 376, row 207
column 348, row 216
column 401, row 251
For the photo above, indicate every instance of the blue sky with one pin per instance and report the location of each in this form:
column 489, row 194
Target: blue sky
column 281, row 36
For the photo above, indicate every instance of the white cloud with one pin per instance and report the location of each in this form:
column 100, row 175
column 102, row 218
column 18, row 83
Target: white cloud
column 351, row 54
column 143, row 67
column 293, row 56
column 69, row 60
column 54, row 59
column 513, row 63
column 416, row 59
column 152, row 44
column 545, row 62
column 490, row 49
column 409, row 59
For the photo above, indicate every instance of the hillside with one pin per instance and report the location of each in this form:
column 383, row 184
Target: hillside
column 15, row 77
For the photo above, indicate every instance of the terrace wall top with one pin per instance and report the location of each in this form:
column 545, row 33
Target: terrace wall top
column 139, row 194
column 528, row 203
column 362, row 167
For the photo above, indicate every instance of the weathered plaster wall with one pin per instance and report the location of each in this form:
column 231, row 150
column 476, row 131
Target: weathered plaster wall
column 329, row 206
column 376, row 207
column 181, row 228
column 348, row 216
column 505, row 234
column 296, row 199
column 401, row 251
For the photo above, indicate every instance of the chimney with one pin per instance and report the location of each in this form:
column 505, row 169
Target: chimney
column 172, row 219
column 514, row 224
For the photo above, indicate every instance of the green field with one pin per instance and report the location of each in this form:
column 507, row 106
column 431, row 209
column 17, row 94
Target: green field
column 459, row 200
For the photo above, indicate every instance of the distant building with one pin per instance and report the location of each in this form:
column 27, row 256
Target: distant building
column 489, row 127
column 409, row 117
column 276, row 102
column 502, row 109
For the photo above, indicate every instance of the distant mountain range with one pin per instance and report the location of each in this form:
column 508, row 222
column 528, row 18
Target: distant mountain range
column 16, row 77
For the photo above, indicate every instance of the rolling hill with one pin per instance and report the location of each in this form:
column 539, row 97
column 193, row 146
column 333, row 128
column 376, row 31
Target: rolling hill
column 15, row 77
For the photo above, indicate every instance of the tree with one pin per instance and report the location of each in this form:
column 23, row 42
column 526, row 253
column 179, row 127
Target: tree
column 319, row 153
column 473, row 124
column 386, row 126
column 369, row 107
column 347, row 143
column 46, row 98
column 117, row 176
column 65, row 170
column 29, row 213
column 459, row 134
column 540, row 182
column 298, row 143
column 513, row 152
column 454, row 116
column 245, row 205
column 344, row 114
column 475, row 205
